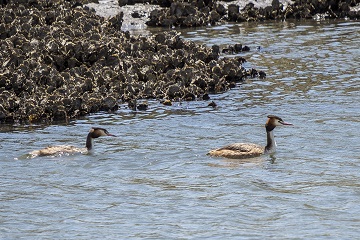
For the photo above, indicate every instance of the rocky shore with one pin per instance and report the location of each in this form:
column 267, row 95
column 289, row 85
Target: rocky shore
column 209, row 12
column 61, row 60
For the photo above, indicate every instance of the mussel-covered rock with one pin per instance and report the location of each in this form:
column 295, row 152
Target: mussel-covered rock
column 187, row 14
column 202, row 13
column 61, row 61
column 143, row 106
column 109, row 104
column 3, row 113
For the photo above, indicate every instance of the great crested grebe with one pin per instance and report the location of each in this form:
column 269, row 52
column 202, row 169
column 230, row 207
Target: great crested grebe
column 66, row 149
column 249, row 150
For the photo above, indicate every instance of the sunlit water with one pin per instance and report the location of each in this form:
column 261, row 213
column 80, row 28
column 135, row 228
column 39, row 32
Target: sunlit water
column 155, row 181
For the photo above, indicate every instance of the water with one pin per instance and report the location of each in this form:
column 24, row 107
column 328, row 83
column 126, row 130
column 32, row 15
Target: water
column 154, row 181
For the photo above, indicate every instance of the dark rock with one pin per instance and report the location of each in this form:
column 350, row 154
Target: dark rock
column 189, row 96
column 212, row 104
column 238, row 48
column 206, row 97
column 143, row 106
column 116, row 21
column 275, row 4
column 123, row 2
column 132, row 104
column 201, row 83
column 3, row 113
column 252, row 72
column 137, row 15
column 262, row 74
column 187, row 14
column 245, row 49
column 174, row 91
column 109, row 104
column 167, row 102
column 233, row 12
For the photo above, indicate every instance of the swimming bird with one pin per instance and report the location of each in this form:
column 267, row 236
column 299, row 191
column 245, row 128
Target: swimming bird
column 95, row 132
column 249, row 150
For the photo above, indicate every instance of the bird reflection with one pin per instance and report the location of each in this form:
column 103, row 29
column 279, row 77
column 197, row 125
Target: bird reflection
column 244, row 163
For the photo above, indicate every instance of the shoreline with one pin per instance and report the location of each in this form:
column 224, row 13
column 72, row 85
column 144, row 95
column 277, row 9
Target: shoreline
column 136, row 16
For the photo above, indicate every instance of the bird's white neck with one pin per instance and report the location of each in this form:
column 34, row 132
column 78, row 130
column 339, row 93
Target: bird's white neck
column 270, row 142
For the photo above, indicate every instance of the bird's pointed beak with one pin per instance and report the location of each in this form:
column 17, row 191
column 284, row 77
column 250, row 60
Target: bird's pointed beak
column 286, row 123
column 111, row 135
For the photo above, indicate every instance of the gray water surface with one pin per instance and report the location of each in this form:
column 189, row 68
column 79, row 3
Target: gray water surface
column 155, row 181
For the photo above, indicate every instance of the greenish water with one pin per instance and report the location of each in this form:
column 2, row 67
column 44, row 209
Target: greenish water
column 154, row 181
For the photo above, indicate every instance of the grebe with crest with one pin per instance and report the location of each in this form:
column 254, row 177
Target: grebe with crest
column 249, row 150
column 95, row 132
